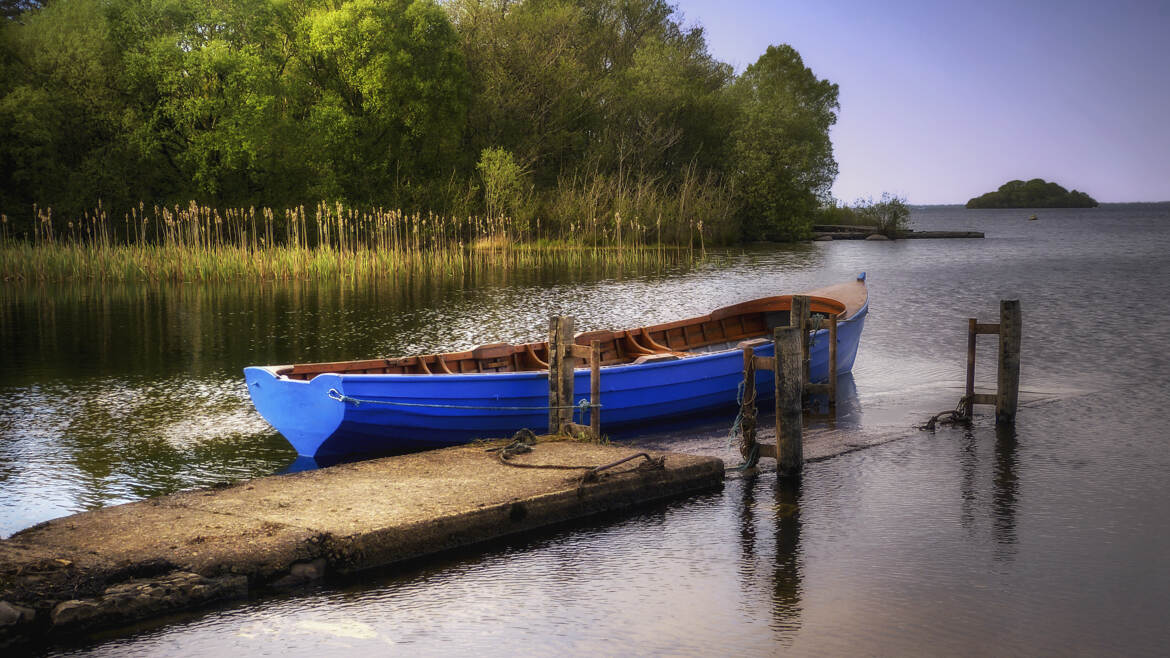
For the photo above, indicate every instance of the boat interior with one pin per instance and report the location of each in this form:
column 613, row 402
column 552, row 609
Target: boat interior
column 722, row 329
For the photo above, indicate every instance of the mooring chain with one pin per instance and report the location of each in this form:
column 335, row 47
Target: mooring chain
column 956, row 416
column 524, row 440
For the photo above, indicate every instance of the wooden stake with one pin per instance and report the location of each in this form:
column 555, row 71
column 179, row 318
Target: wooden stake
column 560, row 373
column 798, row 317
column 789, row 389
column 969, row 407
column 595, row 388
column 1007, row 391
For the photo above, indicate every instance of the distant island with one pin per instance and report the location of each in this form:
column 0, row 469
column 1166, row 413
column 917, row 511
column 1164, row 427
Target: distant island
column 1036, row 193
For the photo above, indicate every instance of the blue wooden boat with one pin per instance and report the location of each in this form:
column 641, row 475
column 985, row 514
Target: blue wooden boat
column 647, row 374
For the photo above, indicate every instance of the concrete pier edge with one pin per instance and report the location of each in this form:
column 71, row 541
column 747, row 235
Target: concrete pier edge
column 128, row 563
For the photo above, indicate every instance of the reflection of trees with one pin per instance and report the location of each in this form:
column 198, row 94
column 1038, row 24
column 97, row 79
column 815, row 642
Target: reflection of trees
column 786, row 586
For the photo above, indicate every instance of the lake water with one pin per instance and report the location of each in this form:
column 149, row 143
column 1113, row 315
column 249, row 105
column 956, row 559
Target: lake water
column 1050, row 539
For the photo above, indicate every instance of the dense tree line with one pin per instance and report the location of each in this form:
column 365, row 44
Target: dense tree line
column 1036, row 193
column 543, row 110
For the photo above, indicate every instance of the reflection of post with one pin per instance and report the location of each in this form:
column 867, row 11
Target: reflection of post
column 968, row 483
column 1006, row 488
column 787, row 583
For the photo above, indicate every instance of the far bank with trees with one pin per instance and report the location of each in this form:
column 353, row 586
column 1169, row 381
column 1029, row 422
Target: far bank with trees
column 589, row 121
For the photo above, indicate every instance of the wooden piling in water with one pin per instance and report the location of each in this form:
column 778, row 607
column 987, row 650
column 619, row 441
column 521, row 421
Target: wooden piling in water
column 798, row 316
column 562, row 361
column 1007, row 387
column 560, row 373
column 969, row 393
column 1007, row 384
column 789, row 378
column 595, row 388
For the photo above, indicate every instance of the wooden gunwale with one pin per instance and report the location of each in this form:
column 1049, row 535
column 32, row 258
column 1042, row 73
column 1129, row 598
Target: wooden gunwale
column 730, row 324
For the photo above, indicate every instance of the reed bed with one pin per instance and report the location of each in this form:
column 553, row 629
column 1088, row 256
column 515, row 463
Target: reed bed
column 332, row 241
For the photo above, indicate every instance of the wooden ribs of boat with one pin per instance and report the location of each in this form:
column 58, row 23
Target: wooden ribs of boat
column 723, row 327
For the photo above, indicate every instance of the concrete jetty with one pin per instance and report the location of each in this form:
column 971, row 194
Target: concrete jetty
column 130, row 562
column 852, row 232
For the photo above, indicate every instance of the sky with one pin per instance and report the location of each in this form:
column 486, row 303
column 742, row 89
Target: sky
column 943, row 101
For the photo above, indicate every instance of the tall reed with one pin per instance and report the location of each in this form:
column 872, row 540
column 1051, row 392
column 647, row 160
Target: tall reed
column 331, row 241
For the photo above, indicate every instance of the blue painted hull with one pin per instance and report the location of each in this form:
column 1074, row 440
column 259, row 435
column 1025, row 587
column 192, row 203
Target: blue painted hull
column 318, row 425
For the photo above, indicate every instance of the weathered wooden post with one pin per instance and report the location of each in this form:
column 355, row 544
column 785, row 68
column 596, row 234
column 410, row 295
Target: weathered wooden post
column 969, row 395
column 560, row 373
column 1007, row 390
column 798, row 317
column 1007, row 382
column 789, row 390
column 595, row 388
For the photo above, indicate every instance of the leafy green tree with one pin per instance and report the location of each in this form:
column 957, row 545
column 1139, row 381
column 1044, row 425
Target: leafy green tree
column 390, row 95
column 503, row 182
column 782, row 159
column 533, row 94
column 62, row 138
column 206, row 89
column 890, row 214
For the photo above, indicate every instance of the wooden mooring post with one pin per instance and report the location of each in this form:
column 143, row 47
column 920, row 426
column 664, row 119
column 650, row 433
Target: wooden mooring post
column 562, row 357
column 787, row 364
column 1007, row 381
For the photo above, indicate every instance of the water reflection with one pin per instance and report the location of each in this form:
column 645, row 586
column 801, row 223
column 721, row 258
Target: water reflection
column 787, row 586
column 1001, row 502
column 1006, row 492
column 782, row 580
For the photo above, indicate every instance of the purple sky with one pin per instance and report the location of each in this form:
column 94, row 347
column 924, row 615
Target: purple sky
column 942, row 101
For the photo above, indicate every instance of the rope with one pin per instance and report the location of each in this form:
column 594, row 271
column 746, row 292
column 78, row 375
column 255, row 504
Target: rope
column 736, row 425
column 583, row 405
column 753, row 456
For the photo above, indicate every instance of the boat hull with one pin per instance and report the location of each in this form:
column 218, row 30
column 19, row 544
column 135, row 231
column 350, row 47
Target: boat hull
column 333, row 415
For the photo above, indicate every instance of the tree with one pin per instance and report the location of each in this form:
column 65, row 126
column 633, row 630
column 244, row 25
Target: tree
column 782, row 159
column 205, row 86
column 390, row 95
column 62, row 133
